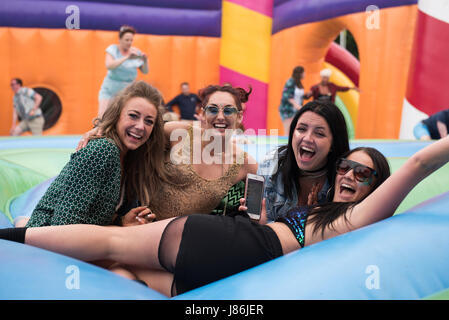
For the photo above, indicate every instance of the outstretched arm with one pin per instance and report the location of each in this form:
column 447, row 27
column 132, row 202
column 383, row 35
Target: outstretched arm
column 384, row 201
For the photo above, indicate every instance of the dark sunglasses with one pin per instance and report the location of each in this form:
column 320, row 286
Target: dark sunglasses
column 361, row 172
column 227, row 111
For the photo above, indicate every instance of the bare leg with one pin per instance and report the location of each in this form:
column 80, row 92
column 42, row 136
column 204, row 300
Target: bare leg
column 158, row 280
column 103, row 105
column 136, row 246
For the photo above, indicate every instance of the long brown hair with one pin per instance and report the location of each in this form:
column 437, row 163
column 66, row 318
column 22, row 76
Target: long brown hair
column 297, row 75
column 144, row 168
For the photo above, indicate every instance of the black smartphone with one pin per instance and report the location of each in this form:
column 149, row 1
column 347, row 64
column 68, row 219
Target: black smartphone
column 254, row 194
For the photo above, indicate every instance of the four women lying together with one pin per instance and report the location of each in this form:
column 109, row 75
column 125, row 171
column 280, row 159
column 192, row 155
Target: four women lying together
column 315, row 189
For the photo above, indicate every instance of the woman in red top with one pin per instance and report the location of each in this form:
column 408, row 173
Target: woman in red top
column 326, row 90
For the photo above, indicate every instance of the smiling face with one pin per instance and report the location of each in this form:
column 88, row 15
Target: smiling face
column 136, row 122
column 220, row 121
column 347, row 187
column 311, row 141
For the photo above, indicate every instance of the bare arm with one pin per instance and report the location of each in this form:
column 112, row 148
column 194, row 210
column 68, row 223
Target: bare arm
column 144, row 68
column 383, row 202
column 442, row 129
column 37, row 103
column 112, row 63
column 14, row 118
column 294, row 103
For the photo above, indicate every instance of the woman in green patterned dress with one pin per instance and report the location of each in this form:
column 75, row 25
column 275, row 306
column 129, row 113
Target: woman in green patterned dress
column 114, row 166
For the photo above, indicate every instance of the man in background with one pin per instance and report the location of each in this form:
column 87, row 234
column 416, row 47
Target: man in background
column 26, row 104
column 434, row 127
column 186, row 101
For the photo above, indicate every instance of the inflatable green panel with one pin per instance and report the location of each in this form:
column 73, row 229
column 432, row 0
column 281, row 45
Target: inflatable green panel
column 433, row 185
column 22, row 169
column 442, row 295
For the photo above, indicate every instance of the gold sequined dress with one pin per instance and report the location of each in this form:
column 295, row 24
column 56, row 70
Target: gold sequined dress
column 191, row 193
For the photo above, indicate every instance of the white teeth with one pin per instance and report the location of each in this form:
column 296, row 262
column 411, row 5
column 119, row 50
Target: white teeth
column 219, row 125
column 344, row 185
column 134, row 135
column 307, row 149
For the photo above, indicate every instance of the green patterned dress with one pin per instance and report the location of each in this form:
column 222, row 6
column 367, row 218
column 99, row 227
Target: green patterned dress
column 86, row 191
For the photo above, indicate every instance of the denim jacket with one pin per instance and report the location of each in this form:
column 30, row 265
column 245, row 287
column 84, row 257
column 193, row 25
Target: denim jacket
column 277, row 203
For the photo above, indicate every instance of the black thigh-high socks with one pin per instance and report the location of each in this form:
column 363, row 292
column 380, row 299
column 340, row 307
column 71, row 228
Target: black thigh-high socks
column 13, row 234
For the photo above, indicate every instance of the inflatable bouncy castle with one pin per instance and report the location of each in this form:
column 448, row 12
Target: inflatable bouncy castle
column 247, row 43
column 59, row 47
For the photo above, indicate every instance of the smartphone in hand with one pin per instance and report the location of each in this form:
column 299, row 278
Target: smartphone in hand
column 254, row 194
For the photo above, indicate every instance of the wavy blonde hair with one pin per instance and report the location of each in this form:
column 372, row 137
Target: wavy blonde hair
column 144, row 168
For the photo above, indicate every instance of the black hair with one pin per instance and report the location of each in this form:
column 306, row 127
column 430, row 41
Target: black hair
column 288, row 166
column 323, row 215
column 19, row 81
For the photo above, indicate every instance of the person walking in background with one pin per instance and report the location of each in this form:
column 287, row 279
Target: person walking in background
column 292, row 97
column 122, row 62
column 326, row 90
column 434, row 127
column 26, row 103
column 186, row 101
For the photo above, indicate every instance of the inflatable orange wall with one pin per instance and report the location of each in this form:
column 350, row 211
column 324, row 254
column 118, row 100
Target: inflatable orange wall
column 71, row 63
column 384, row 62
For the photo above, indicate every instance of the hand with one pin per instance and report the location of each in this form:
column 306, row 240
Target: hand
column 87, row 136
column 138, row 216
column 32, row 112
column 134, row 53
column 199, row 116
column 263, row 213
column 312, row 198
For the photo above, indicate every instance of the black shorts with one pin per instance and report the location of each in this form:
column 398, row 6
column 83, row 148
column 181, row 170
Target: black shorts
column 214, row 247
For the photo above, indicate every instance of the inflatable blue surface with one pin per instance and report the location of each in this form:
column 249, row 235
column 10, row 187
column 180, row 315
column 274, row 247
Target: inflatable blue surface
column 31, row 273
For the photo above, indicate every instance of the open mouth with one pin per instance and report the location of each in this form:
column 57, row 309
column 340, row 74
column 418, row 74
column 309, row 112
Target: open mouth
column 347, row 189
column 220, row 126
column 306, row 153
column 134, row 136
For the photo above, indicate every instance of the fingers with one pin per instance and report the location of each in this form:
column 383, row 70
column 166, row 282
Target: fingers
column 242, row 206
column 263, row 213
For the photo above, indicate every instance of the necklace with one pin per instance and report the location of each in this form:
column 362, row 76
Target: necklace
column 313, row 174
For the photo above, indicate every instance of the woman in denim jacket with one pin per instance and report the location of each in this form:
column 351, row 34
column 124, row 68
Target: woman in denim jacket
column 301, row 172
